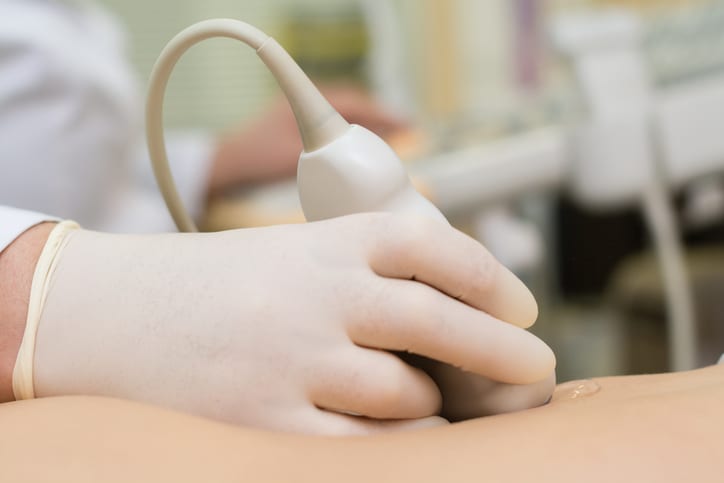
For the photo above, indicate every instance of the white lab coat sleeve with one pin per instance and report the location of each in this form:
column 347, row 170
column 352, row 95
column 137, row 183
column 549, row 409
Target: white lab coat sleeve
column 13, row 222
column 71, row 134
column 68, row 110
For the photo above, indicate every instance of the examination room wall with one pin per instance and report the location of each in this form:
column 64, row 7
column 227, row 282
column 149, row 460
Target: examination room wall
column 471, row 74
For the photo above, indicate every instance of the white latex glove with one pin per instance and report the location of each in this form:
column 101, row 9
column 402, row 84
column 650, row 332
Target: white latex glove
column 467, row 395
column 281, row 327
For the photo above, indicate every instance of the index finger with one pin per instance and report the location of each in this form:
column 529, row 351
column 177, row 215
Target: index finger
column 415, row 318
column 446, row 259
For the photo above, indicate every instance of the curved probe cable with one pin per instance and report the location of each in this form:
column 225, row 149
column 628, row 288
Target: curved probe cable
column 677, row 286
column 318, row 122
column 154, row 103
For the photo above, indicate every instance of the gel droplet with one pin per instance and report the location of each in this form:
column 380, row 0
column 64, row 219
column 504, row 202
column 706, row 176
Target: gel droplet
column 577, row 389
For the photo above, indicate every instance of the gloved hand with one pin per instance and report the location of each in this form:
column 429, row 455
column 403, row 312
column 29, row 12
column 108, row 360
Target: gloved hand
column 467, row 395
column 281, row 327
column 470, row 394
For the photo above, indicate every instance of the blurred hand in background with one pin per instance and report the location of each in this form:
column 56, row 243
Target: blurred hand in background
column 268, row 147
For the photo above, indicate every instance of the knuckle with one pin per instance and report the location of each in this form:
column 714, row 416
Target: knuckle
column 373, row 308
column 484, row 272
column 414, row 318
column 405, row 232
column 402, row 313
column 424, row 314
column 379, row 221
column 404, row 395
column 419, row 228
column 391, row 394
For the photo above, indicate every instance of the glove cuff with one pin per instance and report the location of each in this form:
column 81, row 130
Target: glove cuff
column 23, row 387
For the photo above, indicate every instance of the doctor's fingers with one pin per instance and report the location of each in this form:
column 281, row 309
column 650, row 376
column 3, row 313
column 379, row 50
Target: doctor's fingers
column 329, row 423
column 468, row 396
column 445, row 258
column 413, row 317
column 375, row 384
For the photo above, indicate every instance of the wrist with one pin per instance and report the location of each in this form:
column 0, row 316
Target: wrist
column 17, row 265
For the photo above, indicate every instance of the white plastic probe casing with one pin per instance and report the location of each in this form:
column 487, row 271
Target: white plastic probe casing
column 318, row 122
column 344, row 169
column 357, row 172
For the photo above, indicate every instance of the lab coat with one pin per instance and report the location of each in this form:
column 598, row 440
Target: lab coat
column 71, row 122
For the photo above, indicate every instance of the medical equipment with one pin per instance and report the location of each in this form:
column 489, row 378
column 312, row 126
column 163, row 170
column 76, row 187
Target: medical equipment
column 676, row 141
column 618, row 145
column 636, row 144
column 343, row 169
column 347, row 169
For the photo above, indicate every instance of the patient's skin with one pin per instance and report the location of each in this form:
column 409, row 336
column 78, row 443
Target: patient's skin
column 659, row 428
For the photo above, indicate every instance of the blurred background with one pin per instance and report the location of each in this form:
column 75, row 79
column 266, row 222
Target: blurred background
column 580, row 140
